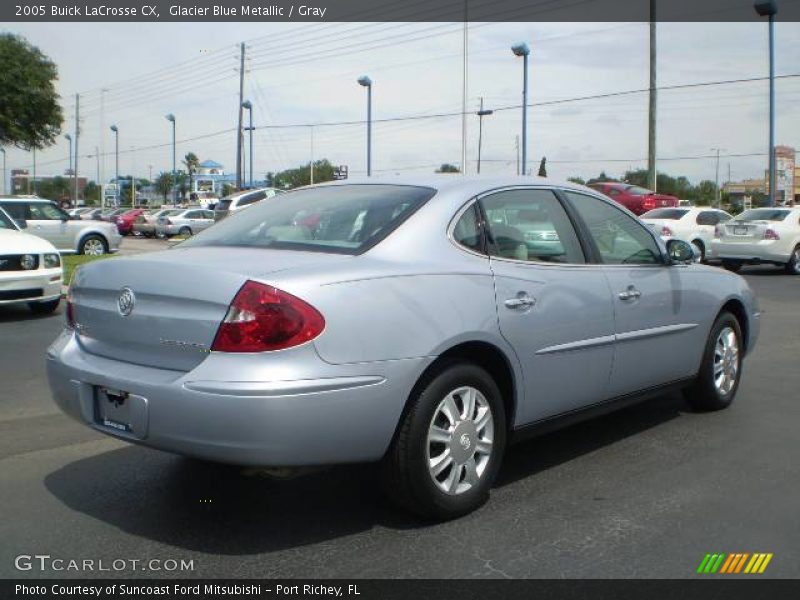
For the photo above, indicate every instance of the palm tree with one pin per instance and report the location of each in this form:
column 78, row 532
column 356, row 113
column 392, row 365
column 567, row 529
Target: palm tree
column 191, row 162
column 164, row 183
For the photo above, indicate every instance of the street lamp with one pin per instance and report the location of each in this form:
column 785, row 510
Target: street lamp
column 367, row 83
column 481, row 113
column 116, row 164
column 249, row 107
column 171, row 118
column 769, row 8
column 68, row 137
column 522, row 50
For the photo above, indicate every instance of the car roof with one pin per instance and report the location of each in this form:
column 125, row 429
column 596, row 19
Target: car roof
column 24, row 199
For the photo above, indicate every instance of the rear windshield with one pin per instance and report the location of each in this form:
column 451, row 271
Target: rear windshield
column 638, row 191
column 763, row 214
column 343, row 219
column 665, row 213
column 224, row 204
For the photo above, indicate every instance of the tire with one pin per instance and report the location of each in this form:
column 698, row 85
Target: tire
column 93, row 245
column 44, row 308
column 793, row 266
column 408, row 478
column 708, row 392
column 732, row 265
column 185, row 232
column 700, row 249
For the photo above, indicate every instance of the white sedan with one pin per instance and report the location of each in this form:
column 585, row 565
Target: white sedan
column 30, row 269
column 695, row 225
column 760, row 235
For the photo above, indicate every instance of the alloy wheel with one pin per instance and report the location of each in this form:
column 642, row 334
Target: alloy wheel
column 726, row 361
column 460, row 440
column 94, row 247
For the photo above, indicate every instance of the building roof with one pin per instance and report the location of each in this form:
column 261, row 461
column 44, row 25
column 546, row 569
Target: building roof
column 210, row 164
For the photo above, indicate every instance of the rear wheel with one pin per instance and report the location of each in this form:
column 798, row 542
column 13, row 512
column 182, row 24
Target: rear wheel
column 699, row 250
column 793, row 266
column 721, row 369
column 732, row 265
column 93, row 245
column 44, row 308
column 447, row 452
column 185, row 232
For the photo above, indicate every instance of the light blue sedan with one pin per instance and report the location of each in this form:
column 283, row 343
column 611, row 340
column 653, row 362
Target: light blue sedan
column 421, row 322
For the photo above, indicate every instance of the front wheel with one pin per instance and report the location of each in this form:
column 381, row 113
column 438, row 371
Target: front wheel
column 447, row 452
column 793, row 266
column 185, row 232
column 721, row 369
column 93, row 245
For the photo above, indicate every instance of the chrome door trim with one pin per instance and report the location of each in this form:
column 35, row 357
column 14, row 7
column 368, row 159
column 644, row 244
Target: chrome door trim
column 641, row 334
column 603, row 340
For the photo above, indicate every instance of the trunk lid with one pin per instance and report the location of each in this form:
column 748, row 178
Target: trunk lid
column 180, row 296
column 735, row 230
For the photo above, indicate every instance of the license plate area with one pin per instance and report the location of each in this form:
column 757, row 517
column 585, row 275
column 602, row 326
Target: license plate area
column 120, row 412
column 740, row 230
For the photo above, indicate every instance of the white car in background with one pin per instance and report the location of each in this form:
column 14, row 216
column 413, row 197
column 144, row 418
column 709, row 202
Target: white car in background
column 30, row 269
column 760, row 235
column 239, row 200
column 695, row 225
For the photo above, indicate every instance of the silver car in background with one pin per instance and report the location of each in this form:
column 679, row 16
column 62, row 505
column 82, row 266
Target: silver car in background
column 184, row 222
column 47, row 220
column 420, row 322
column 235, row 202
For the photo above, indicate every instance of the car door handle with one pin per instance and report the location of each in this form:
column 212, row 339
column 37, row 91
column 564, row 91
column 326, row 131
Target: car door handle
column 630, row 294
column 523, row 300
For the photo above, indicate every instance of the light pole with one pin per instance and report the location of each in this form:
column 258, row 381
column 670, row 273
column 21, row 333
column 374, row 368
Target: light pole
column 68, row 137
column 33, row 148
column 3, row 150
column 716, row 176
column 769, row 8
column 522, row 50
column 115, row 129
column 249, row 106
column 171, row 118
column 481, row 113
column 367, row 83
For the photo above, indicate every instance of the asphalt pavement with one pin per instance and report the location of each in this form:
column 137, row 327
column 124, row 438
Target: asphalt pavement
column 645, row 492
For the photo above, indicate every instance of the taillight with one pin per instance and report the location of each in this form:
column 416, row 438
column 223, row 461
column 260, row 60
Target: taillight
column 649, row 203
column 169, row 222
column 666, row 231
column 718, row 231
column 262, row 317
column 771, row 234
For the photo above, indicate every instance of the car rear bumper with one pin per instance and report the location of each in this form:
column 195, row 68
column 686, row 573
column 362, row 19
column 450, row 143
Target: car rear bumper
column 25, row 286
column 756, row 251
column 346, row 413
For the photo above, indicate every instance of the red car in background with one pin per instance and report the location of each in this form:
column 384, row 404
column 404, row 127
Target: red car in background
column 126, row 220
column 636, row 199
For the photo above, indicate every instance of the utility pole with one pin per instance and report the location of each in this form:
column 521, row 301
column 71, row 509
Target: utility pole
column 77, row 135
column 239, row 136
column 652, row 179
column 102, row 170
column 34, row 170
column 516, row 147
column 312, row 155
column 716, row 178
column 97, row 154
column 481, row 113
column 3, row 150
column 464, row 93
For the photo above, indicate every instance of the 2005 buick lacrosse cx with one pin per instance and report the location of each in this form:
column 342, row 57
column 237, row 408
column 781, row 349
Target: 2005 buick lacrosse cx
column 421, row 322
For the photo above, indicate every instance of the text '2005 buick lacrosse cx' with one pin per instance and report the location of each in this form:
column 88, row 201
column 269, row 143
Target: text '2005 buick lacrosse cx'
column 421, row 322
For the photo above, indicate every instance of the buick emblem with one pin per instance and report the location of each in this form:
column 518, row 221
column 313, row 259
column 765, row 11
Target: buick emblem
column 126, row 301
column 465, row 441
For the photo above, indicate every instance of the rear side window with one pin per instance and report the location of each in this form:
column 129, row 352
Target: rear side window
column 5, row 222
column 16, row 210
column 343, row 219
column 708, row 217
column 223, row 204
column 251, row 198
column 44, row 211
column 665, row 213
column 467, row 230
column 530, row 225
column 620, row 239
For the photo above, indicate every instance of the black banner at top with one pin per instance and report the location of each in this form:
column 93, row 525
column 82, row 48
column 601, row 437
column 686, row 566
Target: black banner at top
column 394, row 10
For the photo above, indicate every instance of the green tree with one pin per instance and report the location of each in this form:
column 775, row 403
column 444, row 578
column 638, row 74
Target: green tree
column 706, row 193
column 191, row 162
column 292, row 178
column 543, row 167
column 600, row 178
column 578, row 180
column 227, row 189
column 448, row 168
column 92, row 193
column 30, row 115
column 164, row 183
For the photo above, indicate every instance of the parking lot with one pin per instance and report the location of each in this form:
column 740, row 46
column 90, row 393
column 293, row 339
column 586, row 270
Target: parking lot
column 645, row 492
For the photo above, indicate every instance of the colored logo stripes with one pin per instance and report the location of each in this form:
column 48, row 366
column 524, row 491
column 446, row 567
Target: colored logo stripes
column 742, row 562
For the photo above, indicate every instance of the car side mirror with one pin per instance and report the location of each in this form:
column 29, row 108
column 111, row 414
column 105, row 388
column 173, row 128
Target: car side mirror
column 679, row 252
column 21, row 223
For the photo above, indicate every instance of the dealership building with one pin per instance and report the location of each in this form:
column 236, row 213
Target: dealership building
column 787, row 180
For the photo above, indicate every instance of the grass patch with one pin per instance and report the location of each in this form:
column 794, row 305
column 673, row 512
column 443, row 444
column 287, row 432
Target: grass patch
column 73, row 261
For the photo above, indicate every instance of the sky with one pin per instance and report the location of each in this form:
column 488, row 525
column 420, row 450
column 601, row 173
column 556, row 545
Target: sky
column 297, row 75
